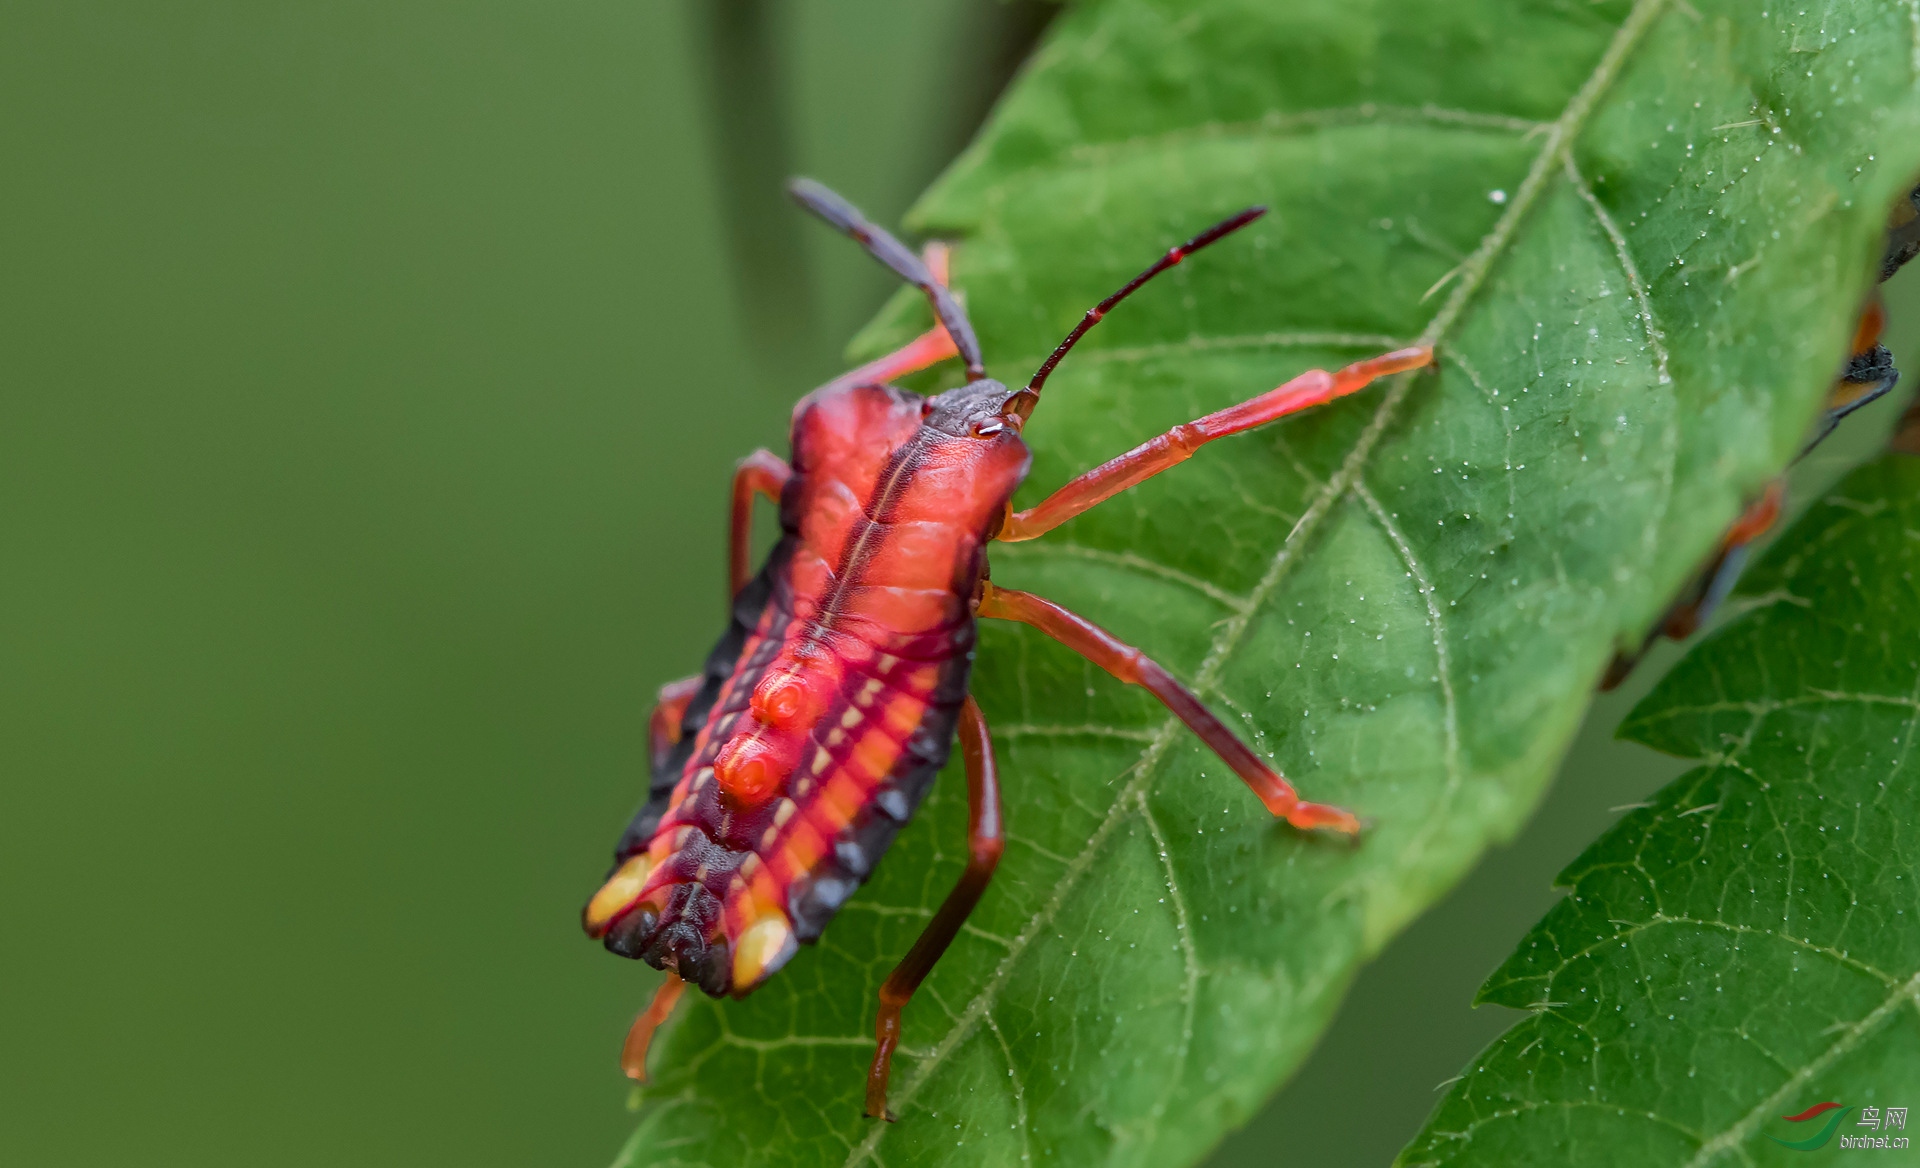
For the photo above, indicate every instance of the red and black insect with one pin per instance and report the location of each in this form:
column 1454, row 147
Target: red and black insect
column 782, row 772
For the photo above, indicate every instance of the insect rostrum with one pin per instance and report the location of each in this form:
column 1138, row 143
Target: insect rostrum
column 783, row 771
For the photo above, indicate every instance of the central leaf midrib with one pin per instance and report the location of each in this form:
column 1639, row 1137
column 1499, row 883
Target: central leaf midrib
column 1473, row 275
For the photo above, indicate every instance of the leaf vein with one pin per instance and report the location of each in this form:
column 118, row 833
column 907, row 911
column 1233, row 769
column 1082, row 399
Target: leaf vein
column 1656, row 340
column 1662, row 918
column 1190, row 958
column 1280, row 123
column 1085, row 730
column 1019, row 1092
column 1506, row 429
column 1138, row 563
column 1436, row 621
column 1202, row 343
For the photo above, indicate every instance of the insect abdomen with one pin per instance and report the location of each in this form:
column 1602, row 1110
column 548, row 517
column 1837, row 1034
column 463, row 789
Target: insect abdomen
column 830, row 704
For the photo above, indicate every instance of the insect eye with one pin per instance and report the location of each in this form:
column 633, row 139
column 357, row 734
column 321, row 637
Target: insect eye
column 989, row 428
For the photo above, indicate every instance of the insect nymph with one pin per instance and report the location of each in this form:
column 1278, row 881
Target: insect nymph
column 782, row 772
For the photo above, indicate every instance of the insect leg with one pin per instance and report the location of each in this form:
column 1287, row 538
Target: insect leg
column 894, row 254
column 1709, row 586
column 984, row 841
column 928, row 349
column 1174, row 447
column 1136, row 668
column 633, row 1054
column 1869, row 374
column 762, row 472
column 664, row 725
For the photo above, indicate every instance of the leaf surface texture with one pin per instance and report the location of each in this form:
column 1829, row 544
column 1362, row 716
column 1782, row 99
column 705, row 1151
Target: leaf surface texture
column 1641, row 273
column 1746, row 941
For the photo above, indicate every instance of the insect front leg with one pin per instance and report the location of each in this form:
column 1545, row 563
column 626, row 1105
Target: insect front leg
column 985, row 840
column 924, row 351
column 1136, row 668
column 847, row 219
column 1103, row 482
column 761, row 473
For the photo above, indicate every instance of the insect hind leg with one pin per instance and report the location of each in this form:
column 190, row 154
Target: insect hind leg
column 633, row 1053
column 985, row 839
column 666, row 724
column 1130, row 665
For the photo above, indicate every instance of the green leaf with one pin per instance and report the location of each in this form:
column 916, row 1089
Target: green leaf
column 1641, row 270
column 1748, row 944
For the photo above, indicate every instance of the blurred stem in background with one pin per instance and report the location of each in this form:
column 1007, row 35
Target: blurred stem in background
column 743, row 44
column 994, row 39
column 746, row 119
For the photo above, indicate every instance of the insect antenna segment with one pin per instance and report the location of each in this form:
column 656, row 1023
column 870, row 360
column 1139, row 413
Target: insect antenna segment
column 1021, row 404
column 883, row 247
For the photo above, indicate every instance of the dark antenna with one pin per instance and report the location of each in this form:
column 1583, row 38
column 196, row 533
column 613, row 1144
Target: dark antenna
column 1021, row 404
column 891, row 252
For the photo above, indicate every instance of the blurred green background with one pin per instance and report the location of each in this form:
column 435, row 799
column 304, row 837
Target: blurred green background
column 370, row 379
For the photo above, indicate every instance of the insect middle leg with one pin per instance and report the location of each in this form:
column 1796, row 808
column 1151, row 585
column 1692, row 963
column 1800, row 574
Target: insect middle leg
column 984, row 842
column 1175, row 446
column 764, row 473
column 1709, row 586
column 1136, row 668
column 664, row 725
column 1869, row 374
column 926, row 350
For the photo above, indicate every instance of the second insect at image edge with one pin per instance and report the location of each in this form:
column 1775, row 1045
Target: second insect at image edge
column 782, row 772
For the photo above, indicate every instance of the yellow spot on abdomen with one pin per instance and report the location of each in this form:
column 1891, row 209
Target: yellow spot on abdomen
column 902, row 715
column 840, row 799
column 764, row 947
column 875, row 754
column 617, row 893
